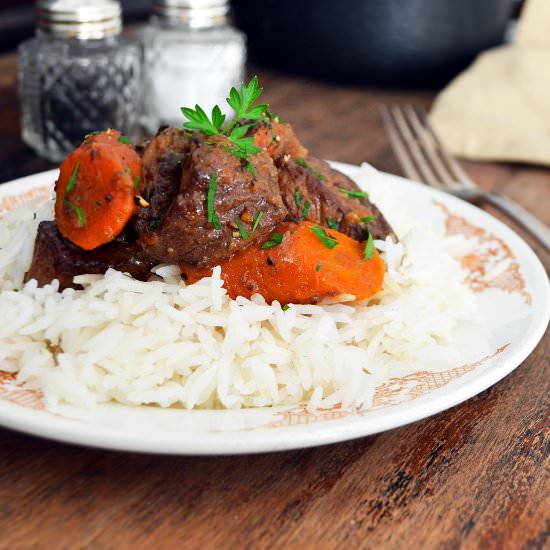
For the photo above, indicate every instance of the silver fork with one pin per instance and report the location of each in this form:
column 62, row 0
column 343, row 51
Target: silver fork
column 423, row 158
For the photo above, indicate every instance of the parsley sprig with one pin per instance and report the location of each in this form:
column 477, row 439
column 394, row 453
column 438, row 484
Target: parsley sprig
column 198, row 120
column 243, row 105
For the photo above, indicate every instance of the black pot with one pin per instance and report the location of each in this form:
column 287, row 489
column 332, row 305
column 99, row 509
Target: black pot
column 386, row 42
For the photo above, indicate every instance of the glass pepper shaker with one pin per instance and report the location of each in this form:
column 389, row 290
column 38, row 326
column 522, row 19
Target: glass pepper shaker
column 77, row 75
column 191, row 55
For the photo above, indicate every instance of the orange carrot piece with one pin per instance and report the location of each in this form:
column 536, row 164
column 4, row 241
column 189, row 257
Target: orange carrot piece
column 301, row 269
column 96, row 188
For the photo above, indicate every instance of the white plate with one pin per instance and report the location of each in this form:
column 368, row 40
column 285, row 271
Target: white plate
column 516, row 304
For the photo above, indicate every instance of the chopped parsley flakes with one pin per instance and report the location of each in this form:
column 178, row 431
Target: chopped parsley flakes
column 333, row 224
column 328, row 240
column 210, row 198
column 241, row 229
column 72, row 179
column 275, row 240
column 369, row 248
column 257, row 221
column 297, row 197
column 305, row 164
column 78, row 211
column 353, row 194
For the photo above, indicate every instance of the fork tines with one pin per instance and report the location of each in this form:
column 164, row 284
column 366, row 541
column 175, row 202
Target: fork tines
column 419, row 151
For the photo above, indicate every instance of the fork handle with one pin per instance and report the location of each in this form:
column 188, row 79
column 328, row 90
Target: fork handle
column 521, row 216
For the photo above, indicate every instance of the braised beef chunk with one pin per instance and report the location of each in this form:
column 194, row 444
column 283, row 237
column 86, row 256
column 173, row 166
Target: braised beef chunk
column 162, row 158
column 313, row 190
column 177, row 228
column 55, row 257
column 277, row 139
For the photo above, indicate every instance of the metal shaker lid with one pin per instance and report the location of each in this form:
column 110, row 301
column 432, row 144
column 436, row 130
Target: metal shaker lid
column 84, row 19
column 193, row 13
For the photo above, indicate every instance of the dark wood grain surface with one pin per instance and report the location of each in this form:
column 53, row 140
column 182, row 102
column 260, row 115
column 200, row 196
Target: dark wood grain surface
column 475, row 476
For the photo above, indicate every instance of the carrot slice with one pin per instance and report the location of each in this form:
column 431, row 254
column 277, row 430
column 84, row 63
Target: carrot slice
column 108, row 137
column 96, row 188
column 302, row 269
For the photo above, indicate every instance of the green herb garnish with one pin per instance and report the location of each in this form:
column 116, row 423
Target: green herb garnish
column 241, row 229
column 198, row 120
column 242, row 143
column 78, row 211
column 307, row 207
column 212, row 216
column 243, row 155
column 367, row 219
column 257, row 221
column 305, row 164
column 297, row 196
column 333, row 224
column 328, row 240
column 127, row 170
column 88, row 136
column 136, row 182
column 318, row 267
column 243, row 105
column 72, row 179
column 353, row 194
column 369, row 248
column 125, row 139
column 285, row 307
column 275, row 240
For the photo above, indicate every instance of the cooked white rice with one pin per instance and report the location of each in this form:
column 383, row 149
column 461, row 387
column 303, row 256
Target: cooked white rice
column 161, row 342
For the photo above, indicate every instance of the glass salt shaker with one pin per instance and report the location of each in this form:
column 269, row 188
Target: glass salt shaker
column 77, row 75
column 191, row 55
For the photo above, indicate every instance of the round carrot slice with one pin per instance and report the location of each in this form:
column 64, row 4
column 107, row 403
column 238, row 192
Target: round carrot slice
column 108, row 137
column 95, row 191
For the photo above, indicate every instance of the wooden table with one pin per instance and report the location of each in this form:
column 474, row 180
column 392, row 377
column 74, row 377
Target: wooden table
column 476, row 476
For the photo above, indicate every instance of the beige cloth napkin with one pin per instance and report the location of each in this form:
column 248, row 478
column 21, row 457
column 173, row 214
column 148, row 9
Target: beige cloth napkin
column 499, row 108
